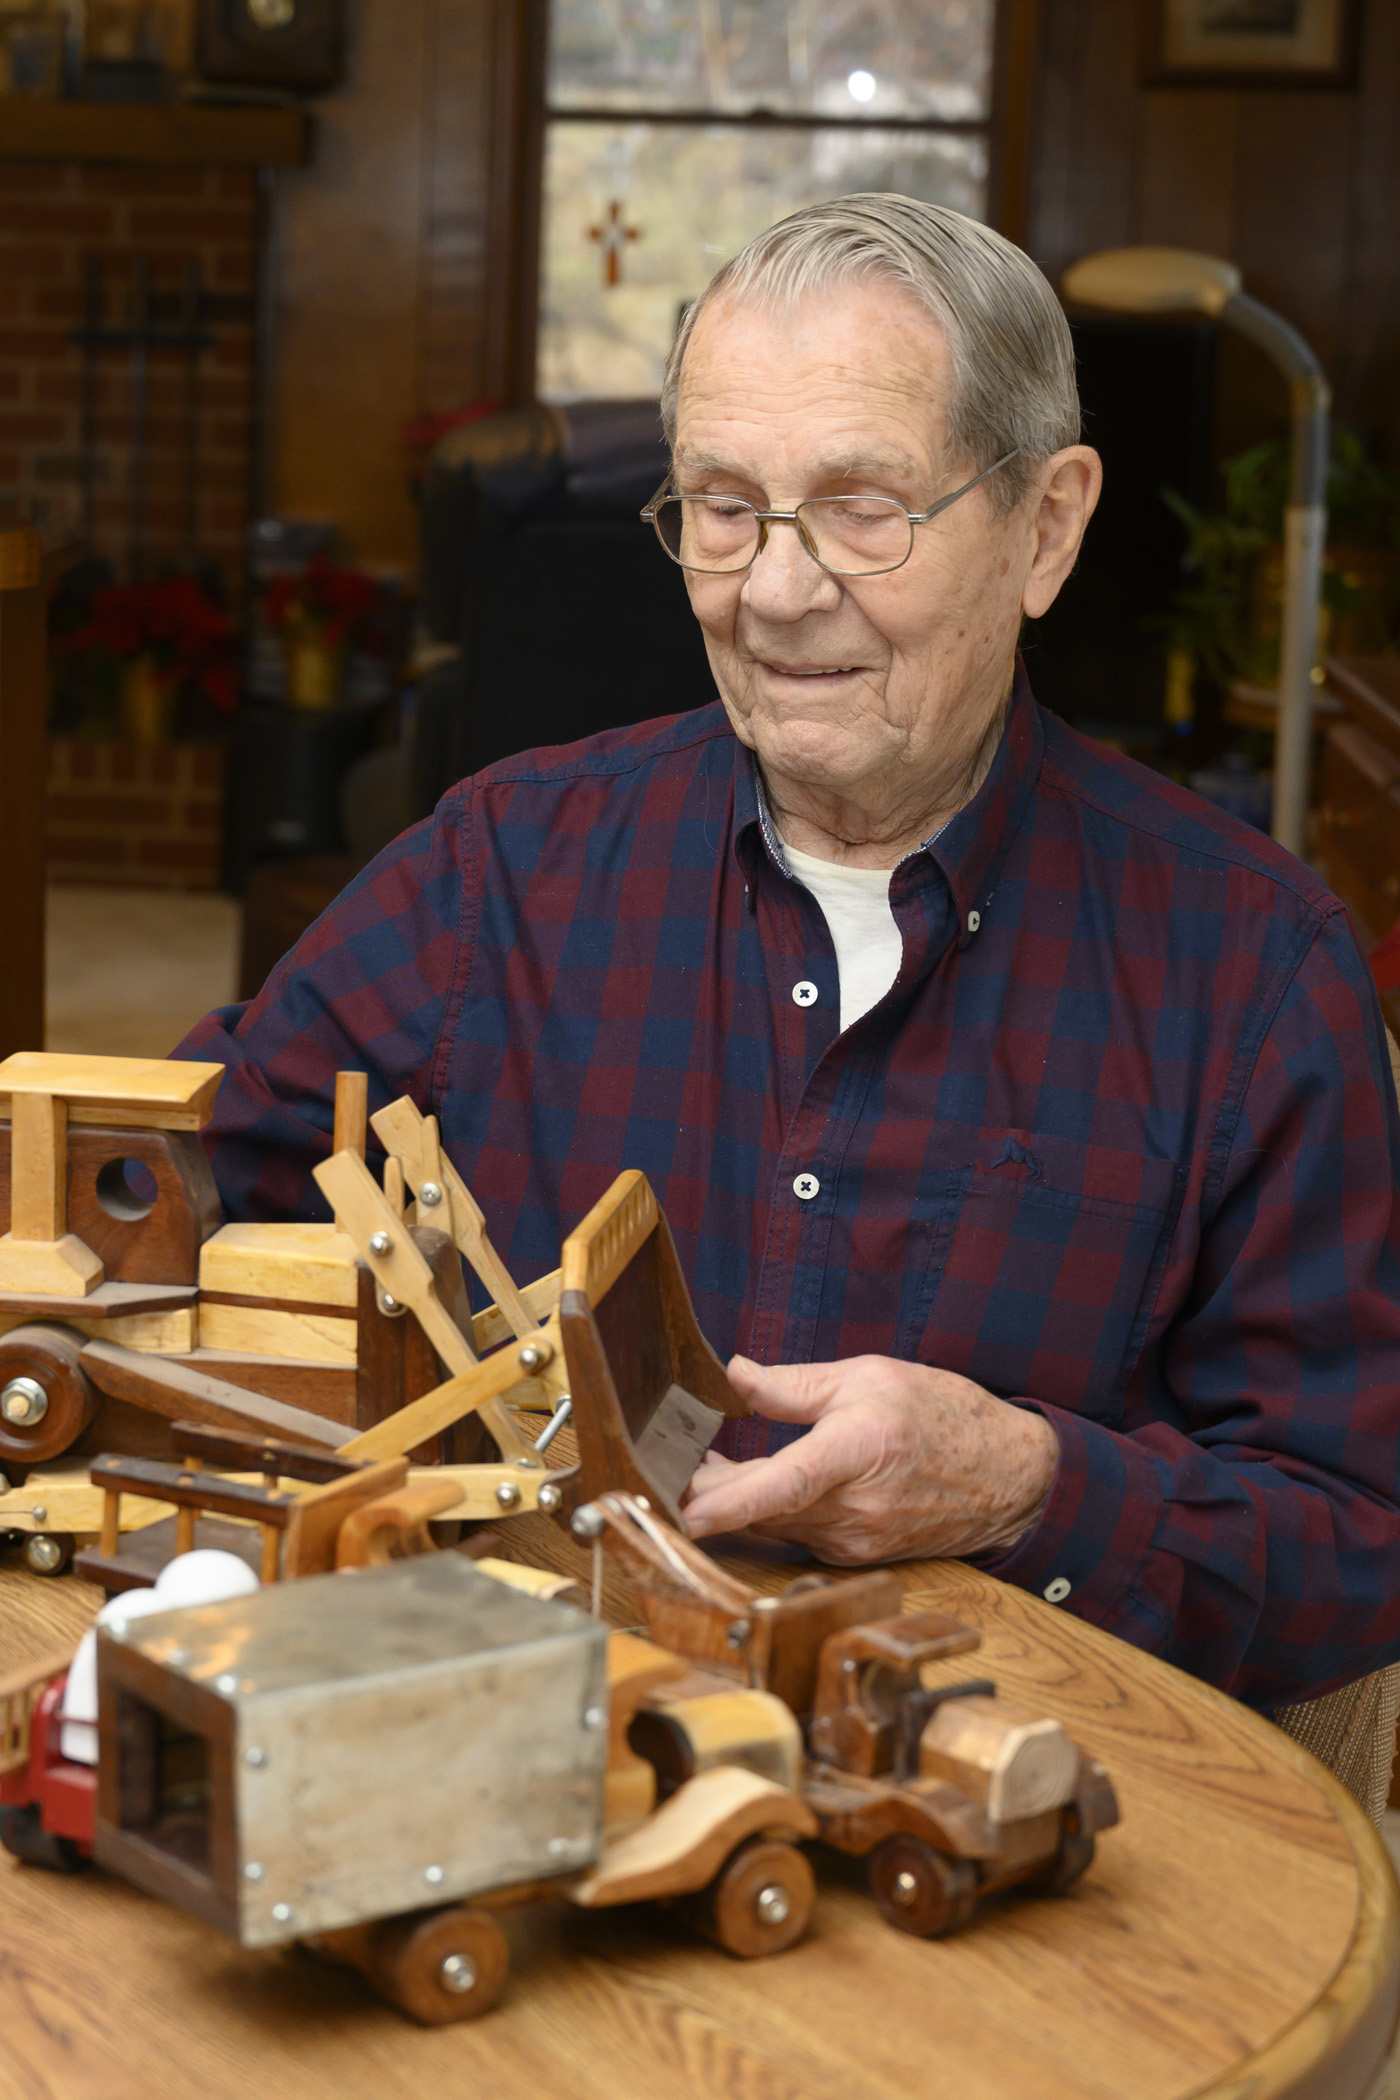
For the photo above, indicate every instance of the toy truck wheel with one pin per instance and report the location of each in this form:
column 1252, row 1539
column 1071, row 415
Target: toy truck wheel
column 23, row 1835
column 46, row 1397
column 760, row 1902
column 920, row 1891
column 1075, row 1857
column 440, row 1965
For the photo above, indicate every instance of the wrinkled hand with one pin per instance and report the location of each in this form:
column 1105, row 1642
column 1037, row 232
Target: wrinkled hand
column 901, row 1461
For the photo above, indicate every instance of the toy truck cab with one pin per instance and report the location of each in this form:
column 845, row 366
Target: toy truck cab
column 48, row 1802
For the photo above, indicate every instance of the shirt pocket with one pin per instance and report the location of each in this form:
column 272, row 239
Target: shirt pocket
column 1039, row 1288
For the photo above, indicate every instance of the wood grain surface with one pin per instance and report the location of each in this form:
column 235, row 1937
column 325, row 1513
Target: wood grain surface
column 1236, row 1937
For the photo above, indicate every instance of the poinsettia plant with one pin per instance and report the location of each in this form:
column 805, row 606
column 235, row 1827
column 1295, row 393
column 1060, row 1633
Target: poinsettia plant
column 340, row 603
column 174, row 623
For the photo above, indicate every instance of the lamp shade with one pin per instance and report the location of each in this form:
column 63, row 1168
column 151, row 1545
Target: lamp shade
column 1152, row 281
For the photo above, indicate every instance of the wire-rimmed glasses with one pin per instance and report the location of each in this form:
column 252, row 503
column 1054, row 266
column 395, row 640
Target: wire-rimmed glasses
column 847, row 535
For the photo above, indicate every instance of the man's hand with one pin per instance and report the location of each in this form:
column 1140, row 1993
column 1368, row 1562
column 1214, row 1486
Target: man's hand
column 902, row 1461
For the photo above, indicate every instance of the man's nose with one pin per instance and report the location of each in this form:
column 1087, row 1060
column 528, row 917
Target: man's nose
column 785, row 583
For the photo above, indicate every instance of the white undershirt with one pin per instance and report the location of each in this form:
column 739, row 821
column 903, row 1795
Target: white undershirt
column 855, row 903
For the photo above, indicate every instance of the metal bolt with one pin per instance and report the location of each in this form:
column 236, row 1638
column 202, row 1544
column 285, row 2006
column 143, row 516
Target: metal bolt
column 595, row 1717
column 227, row 1683
column 254, row 1870
column 549, row 1497
column 388, row 1303
column 508, row 1494
column 772, row 1905
column 533, row 1356
column 39, row 1513
column 457, row 1974
column 906, row 1888
column 24, row 1402
column 587, row 1522
column 178, row 1657
column 255, row 1757
column 738, row 1632
column 559, row 1848
column 282, row 1913
column 562, row 1413
column 380, row 1243
column 434, row 1876
column 430, row 1195
column 43, row 1555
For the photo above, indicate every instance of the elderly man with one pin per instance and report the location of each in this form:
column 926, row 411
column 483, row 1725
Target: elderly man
column 1024, row 1122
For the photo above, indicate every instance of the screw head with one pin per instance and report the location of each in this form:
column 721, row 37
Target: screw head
column 560, row 1848
column 43, row 1555
column 595, row 1717
column 738, row 1632
column 39, row 1513
column 508, row 1495
column 178, row 1657
column 587, row 1522
column 255, row 1757
column 380, row 1243
column 533, row 1356
column 282, row 1913
column 388, row 1303
column 434, row 1876
column 457, row 1974
column 254, row 1870
column 24, row 1402
column 905, row 1888
column 772, row 1905
column 227, row 1683
column 549, row 1496
column 429, row 1195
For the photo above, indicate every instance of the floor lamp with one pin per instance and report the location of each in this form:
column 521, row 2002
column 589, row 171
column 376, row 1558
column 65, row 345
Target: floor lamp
column 1175, row 280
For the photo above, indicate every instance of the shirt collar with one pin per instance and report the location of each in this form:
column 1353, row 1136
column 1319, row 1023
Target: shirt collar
column 967, row 852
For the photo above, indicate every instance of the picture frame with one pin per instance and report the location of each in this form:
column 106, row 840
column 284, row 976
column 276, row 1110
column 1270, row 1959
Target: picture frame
column 1251, row 43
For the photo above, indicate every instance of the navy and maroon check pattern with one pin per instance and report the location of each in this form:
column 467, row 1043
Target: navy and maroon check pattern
column 1121, row 1143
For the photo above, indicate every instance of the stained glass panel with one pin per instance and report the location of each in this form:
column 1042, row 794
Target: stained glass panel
column 687, row 196
column 831, row 58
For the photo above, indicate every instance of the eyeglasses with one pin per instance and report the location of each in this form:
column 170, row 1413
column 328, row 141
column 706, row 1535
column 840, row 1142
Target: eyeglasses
column 845, row 535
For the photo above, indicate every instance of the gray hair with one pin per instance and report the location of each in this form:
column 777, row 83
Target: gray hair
column 1013, row 358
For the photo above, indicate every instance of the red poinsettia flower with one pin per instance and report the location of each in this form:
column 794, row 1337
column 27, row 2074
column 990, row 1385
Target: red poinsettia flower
column 340, row 602
column 173, row 622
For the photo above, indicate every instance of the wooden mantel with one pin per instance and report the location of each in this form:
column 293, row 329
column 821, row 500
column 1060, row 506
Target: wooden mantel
column 207, row 133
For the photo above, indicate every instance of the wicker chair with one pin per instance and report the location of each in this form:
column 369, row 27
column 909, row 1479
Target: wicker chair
column 1352, row 1731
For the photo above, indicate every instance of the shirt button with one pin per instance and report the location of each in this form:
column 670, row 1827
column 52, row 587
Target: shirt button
column 974, row 920
column 805, row 993
column 1057, row 1591
column 806, row 1186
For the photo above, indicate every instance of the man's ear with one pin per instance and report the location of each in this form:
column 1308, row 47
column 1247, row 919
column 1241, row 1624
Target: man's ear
column 1069, row 485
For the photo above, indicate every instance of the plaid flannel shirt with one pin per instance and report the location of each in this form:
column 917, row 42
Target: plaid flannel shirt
column 1120, row 1143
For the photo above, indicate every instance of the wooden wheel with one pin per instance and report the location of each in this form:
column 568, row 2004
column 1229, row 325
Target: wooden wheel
column 440, row 1965
column 46, row 1397
column 1075, row 1857
column 919, row 1890
column 760, row 1902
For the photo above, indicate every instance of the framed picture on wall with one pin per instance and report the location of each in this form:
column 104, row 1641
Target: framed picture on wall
column 1250, row 43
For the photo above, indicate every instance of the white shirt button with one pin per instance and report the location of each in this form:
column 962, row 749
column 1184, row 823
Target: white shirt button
column 806, row 1186
column 804, row 993
column 974, row 920
column 1057, row 1591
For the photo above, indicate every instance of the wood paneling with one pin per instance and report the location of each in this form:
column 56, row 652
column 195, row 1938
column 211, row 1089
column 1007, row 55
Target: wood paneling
column 1297, row 186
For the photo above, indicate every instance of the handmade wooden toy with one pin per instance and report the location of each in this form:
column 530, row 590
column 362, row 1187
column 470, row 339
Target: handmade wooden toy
column 244, row 1745
column 949, row 1792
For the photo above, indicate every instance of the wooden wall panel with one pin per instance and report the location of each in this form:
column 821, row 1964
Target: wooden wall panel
column 1297, row 186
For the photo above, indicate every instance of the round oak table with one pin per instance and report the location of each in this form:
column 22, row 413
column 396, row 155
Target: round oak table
column 1238, row 1936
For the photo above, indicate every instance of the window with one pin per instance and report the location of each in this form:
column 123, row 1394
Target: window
column 675, row 130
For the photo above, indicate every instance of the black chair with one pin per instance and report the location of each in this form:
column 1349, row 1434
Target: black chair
column 562, row 614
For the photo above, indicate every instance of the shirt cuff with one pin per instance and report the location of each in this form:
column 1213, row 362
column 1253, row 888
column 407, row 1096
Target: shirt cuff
column 1089, row 1544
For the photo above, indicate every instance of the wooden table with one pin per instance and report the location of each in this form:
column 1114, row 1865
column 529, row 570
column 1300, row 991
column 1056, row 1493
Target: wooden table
column 1237, row 1937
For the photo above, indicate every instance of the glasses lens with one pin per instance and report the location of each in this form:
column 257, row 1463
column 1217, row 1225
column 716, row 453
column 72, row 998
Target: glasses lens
column 857, row 535
column 715, row 533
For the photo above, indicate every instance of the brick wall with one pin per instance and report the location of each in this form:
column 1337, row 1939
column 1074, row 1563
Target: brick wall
column 51, row 217
column 147, row 817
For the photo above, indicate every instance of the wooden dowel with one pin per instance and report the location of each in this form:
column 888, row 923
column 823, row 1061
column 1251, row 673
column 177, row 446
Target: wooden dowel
column 111, row 1521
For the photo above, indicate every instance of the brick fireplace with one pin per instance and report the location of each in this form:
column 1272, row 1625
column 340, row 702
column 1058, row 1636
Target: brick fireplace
column 57, row 221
